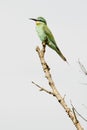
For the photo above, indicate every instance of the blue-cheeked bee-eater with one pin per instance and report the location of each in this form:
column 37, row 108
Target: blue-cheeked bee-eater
column 46, row 35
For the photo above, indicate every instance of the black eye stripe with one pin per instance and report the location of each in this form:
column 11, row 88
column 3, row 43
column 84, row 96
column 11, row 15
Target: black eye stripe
column 40, row 20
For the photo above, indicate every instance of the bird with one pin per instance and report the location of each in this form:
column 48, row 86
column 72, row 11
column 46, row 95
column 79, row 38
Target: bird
column 46, row 35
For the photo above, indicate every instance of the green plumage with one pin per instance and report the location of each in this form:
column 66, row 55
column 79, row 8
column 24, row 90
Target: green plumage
column 45, row 34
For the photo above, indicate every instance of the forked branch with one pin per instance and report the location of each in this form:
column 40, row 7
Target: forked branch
column 55, row 92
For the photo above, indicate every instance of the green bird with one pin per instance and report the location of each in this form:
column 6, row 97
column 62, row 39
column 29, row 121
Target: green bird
column 46, row 35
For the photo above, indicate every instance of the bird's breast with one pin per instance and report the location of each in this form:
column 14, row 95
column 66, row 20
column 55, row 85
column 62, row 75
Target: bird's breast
column 41, row 33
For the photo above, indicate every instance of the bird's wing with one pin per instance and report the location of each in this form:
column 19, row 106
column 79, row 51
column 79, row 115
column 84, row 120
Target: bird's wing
column 54, row 45
column 49, row 34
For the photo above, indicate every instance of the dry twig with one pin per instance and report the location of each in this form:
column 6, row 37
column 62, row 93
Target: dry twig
column 42, row 89
column 74, row 110
column 82, row 67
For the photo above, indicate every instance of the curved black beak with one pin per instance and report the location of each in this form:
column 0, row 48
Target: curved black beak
column 33, row 19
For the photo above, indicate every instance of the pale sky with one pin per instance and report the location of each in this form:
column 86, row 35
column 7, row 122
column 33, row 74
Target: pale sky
column 22, row 106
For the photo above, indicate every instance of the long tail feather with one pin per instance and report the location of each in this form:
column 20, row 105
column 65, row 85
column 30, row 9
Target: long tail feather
column 60, row 54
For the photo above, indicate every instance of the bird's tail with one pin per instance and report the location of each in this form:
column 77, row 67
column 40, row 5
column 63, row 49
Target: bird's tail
column 60, row 54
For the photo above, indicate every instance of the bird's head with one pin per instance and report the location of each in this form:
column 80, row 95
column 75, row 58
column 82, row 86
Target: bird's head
column 39, row 20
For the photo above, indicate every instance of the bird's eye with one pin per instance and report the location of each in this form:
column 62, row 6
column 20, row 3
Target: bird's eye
column 40, row 20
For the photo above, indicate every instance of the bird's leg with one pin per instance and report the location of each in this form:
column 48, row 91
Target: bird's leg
column 44, row 45
column 43, row 52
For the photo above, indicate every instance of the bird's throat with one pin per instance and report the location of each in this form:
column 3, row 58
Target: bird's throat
column 38, row 23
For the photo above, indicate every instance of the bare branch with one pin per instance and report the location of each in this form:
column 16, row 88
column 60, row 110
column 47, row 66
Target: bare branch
column 42, row 89
column 58, row 96
column 73, row 109
column 80, row 115
column 82, row 67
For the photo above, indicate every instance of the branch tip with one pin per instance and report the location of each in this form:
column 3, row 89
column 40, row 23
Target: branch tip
column 37, row 49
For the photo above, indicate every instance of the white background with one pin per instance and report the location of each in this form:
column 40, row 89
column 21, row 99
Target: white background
column 22, row 106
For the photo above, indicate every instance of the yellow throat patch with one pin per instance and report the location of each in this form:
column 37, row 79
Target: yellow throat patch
column 38, row 23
